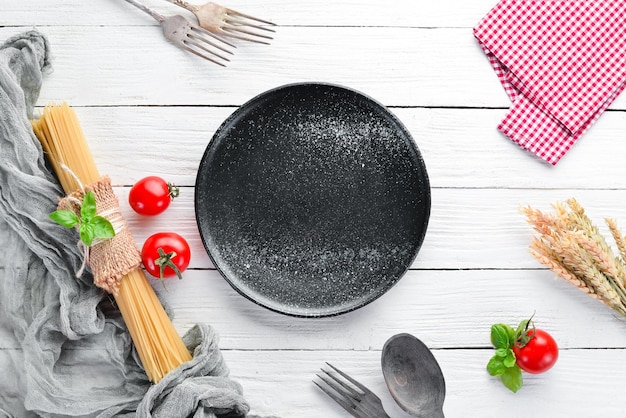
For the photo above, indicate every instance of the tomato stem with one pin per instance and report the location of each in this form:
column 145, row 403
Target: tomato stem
column 165, row 260
column 522, row 337
column 530, row 321
column 173, row 191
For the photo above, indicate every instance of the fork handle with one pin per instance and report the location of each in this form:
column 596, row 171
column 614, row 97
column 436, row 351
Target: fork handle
column 184, row 4
column 146, row 9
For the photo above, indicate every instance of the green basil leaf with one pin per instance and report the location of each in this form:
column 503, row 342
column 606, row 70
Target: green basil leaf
column 512, row 378
column 502, row 352
column 509, row 359
column 88, row 209
column 511, row 332
column 86, row 232
column 496, row 367
column 65, row 218
column 102, row 228
column 500, row 335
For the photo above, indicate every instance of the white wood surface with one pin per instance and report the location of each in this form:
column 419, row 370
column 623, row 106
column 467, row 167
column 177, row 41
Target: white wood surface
column 149, row 108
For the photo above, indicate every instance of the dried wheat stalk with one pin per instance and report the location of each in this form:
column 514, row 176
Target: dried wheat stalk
column 574, row 249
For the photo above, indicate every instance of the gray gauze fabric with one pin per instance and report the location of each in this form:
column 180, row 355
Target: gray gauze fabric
column 62, row 353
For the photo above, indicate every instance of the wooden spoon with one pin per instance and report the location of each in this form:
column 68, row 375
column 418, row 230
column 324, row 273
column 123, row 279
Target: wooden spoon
column 413, row 376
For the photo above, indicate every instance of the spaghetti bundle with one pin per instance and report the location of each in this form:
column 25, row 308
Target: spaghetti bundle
column 115, row 262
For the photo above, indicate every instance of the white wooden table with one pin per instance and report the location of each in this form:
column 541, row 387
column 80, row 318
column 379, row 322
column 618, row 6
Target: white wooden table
column 148, row 108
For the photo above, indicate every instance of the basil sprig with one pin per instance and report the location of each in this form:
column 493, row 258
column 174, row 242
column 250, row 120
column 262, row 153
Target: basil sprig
column 503, row 363
column 90, row 226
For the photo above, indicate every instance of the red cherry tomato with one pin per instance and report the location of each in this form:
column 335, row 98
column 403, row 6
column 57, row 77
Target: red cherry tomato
column 165, row 254
column 539, row 354
column 151, row 195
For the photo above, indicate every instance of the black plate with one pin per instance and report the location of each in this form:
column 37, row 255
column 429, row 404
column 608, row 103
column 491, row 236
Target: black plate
column 312, row 199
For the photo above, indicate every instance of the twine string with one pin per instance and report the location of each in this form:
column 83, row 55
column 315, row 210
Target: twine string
column 113, row 215
column 74, row 176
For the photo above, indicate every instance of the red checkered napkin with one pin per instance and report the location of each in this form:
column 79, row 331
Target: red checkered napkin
column 562, row 63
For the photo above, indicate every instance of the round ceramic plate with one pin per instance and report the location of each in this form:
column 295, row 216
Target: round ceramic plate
column 312, row 199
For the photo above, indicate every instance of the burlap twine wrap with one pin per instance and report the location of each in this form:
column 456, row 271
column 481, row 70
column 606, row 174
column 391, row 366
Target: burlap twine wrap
column 113, row 258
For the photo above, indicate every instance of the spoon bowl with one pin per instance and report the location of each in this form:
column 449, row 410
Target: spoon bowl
column 413, row 376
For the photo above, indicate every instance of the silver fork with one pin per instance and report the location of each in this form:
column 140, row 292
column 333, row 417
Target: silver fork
column 190, row 37
column 353, row 396
column 228, row 22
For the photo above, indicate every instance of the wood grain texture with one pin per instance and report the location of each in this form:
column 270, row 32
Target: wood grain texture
column 429, row 67
column 461, row 147
column 468, row 228
column 148, row 108
column 573, row 388
column 410, row 13
column 439, row 307
column 431, row 72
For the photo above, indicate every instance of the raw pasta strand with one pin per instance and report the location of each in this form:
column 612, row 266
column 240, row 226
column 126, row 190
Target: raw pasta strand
column 159, row 346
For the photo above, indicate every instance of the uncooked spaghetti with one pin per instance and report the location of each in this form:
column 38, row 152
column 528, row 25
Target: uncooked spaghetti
column 159, row 346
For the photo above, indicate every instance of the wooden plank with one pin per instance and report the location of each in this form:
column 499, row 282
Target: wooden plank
column 279, row 382
column 94, row 65
column 283, row 12
column 461, row 147
column 468, row 228
column 447, row 309
column 422, row 303
column 583, row 383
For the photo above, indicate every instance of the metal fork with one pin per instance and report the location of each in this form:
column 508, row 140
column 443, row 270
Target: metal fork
column 190, row 37
column 228, row 22
column 354, row 397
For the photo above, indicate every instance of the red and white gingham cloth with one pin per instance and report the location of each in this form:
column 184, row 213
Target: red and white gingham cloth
column 562, row 63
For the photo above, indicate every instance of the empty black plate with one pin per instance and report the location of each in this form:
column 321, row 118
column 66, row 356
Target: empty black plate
column 312, row 199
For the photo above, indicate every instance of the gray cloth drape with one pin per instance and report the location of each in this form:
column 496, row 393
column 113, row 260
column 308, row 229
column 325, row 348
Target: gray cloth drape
column 62, row 352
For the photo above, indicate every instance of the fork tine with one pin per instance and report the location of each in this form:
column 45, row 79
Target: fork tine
column 241, row 27
column 345, row 391
column 339, row 386
column 351, row 380
column 196, row 35
column 348, row 406
column 189, row 37
column 239, row 30
column 202, row 55
column 243, row 15
column 233, row 32
column 238, row 22
column 191, row 42
column 214, row 36
column 194, row 38
column 235, row 21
